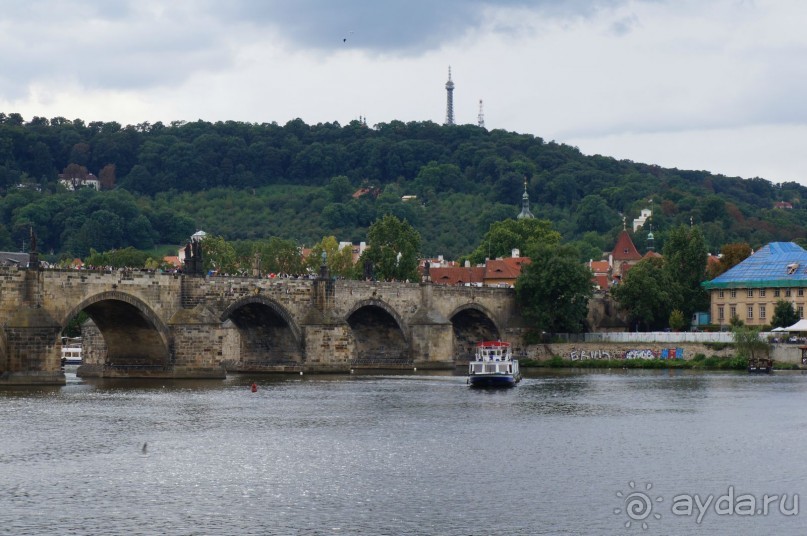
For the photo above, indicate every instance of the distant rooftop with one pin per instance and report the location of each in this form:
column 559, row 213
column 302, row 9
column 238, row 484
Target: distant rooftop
column 778, row 264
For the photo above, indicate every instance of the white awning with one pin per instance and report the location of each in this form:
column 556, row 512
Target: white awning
column 801, row 325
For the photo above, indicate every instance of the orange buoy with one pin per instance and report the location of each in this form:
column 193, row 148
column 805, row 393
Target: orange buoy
column 254, row 387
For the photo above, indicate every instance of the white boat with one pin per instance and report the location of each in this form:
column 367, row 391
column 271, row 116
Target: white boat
column 71, row 351
column 493, row 365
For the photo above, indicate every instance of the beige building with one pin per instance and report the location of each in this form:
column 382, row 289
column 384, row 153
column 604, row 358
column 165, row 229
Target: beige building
column 751, row 290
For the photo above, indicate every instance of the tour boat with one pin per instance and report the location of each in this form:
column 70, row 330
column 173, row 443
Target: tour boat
column 71, row 350
column 493, row 365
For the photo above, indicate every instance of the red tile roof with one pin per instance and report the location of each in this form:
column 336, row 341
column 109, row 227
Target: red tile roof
column 509, row 268
column 457, row 275
column 599, row 267
column 624, row 250
column 173, row 260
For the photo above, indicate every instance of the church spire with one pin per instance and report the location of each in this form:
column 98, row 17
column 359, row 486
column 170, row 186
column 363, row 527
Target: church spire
column 525, row 204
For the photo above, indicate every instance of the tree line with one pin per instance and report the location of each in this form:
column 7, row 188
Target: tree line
column 249, row 181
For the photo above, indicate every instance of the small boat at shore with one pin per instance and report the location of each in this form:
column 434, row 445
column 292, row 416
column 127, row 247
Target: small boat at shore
column 493, row 365
column 760, row 364
column 71, row 351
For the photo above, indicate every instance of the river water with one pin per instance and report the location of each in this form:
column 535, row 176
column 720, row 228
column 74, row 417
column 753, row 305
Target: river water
column 602, row 452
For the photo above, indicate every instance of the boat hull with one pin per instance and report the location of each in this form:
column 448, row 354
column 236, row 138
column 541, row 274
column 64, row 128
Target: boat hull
column 492, row 380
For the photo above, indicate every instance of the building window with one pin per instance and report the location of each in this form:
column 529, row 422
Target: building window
column 761, row 312
column 776, row 293
column 750, row 314
column 750, row 293
column 720, row 293
column 800, row 293
column 801, row 311
column 732, row 312
column 762, row 293
column 733, row 293
column 720, row 313
column 787, row 293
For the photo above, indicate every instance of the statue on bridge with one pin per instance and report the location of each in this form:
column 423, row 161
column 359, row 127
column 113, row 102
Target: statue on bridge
column 368, row 270
column 33, row 254
column 193, row 258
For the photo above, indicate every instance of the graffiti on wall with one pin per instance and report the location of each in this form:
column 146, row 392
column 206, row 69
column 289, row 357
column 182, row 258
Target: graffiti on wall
column 576, row 355
column 665, row 353
column 672, row 353
column 640, row 354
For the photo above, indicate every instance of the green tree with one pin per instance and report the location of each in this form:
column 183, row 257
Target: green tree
column 219, row 255
column 730, row 256
column 748, row 343
column 677, row 320
column 393, row 249
column 685, row 257
column 339, row 261
column 644, row 293
column 553, row 290
column 140, row 233
column 128, row 258
column 784, row 314
column 340, row 189
column 527, row 235
column 594, row 214
column 102, row 230
column 279, row 256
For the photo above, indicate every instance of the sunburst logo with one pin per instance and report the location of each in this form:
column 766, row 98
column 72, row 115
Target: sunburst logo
column 638, row 505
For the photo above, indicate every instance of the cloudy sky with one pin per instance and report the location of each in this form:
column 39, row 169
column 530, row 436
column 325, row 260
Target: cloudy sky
column 716, row 85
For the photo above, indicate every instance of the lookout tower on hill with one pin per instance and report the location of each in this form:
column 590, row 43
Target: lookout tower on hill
column 449, row 99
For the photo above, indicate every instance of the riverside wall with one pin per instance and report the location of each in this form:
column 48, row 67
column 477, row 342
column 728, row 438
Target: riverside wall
column 781, row 353
column 621, row 350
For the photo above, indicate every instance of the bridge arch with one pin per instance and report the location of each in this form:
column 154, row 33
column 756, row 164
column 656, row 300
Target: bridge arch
column 133, row 334
column 472, row 323
column 380, row 335
column 266, row 332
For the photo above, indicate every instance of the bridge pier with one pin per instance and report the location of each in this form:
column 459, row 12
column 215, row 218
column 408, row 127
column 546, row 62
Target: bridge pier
column 33, row 354
column 328, row 341
column 198, row 338
column 431, row 333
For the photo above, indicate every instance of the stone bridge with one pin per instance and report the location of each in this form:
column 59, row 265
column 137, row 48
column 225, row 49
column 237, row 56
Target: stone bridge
column 143, row 324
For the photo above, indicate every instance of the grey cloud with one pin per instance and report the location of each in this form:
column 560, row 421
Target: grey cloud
column 397, row 26
column 145, row 43
column 105, row 44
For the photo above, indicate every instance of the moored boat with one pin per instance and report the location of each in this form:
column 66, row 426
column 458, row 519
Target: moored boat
column 493, row 365
column 71, row 351
column 760, row 364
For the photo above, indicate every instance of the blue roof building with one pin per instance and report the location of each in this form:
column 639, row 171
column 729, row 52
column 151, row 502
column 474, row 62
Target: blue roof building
column 751, row 289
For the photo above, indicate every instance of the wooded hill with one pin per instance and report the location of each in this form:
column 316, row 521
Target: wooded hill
column 296, row 181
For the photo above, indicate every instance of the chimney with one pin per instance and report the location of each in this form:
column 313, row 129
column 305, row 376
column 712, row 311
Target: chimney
column 515, row 253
